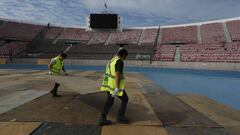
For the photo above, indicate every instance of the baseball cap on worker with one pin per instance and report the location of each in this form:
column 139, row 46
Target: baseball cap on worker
column 123, row 53
column 63, row 55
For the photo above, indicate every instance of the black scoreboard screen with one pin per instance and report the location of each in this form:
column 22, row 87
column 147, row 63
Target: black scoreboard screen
column 104, row 21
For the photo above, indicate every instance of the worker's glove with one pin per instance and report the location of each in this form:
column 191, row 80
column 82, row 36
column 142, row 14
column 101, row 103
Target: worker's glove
column 115, row 92
column 50, row 73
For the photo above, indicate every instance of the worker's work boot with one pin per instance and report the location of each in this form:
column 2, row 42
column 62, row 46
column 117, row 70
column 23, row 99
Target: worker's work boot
column 54, row 93
column 103, row 121
column 122, row 119
column 54, row 90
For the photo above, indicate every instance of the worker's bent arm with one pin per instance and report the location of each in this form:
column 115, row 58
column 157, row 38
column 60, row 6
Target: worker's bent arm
column 50, row 66
column 63, row 68
column 117, row 79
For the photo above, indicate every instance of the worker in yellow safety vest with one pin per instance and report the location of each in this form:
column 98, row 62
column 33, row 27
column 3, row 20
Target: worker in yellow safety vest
column 55, row 66
column 114, row 85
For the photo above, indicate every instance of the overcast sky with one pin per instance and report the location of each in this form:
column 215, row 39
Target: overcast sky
column 134, row 12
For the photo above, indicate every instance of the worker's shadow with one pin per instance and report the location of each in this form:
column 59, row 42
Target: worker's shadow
column 160, row 110
column 137, row 113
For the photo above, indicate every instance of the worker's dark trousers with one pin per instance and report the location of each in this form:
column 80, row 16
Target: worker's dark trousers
column 110, row 101
column 54, row 90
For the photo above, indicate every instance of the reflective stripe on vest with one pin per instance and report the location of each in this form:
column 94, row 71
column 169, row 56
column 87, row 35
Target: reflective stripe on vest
column 108, row 83
column 57, row 67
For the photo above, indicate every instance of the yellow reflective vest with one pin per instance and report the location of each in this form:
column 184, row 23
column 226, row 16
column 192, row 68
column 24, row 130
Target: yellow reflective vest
column 57, row 67
column 108, row 83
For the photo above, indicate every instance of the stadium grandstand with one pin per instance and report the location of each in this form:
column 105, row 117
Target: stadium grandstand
column 217, row 42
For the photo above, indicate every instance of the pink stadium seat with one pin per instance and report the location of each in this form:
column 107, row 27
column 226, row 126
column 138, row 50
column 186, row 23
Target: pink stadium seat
column 12, row 48
column 76, row 34
column 20, row 30
column 212, row 33
column 164, row 52
column 149, row 36
column 99, row 38
column 229, row 52
column 179, row 35
column 53, row 32
column 234, row 30
column 130, row 36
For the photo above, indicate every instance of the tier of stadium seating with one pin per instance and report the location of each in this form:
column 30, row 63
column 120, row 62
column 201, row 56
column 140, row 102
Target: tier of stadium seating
column 53, row 32
column 92, row 52
column 26, row 32
column 47, row 50
column 10, row 49
column 76, row 34
column 229, row 52
column 128, row 36
column 103, row 51
column 149, row 36
column 184, row 35
column 99, row 38
column 212, row 33
column 43, row 49
column 234, row 30
column 164, row 52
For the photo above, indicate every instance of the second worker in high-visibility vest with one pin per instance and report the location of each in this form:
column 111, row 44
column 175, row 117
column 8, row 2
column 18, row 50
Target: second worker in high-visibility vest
column 114, row 86
column 55, row 66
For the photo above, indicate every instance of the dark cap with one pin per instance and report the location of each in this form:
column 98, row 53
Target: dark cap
column 122, row 52
column 63, row 55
